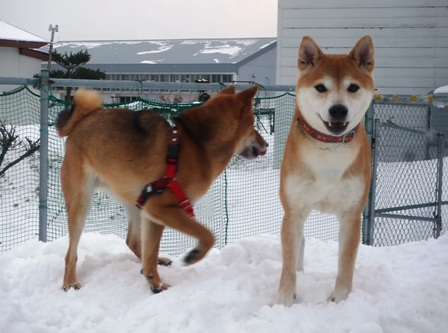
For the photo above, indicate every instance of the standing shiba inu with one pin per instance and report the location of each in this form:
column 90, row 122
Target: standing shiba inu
column 326, row 164
column 156, row 170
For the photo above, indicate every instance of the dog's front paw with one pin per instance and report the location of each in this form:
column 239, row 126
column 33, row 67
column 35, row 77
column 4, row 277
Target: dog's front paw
column 286, row 300
column 158, row 289
column 75, row 286
column 193, row 256
column 155, row 283
column 339, row 295
column 162, row 261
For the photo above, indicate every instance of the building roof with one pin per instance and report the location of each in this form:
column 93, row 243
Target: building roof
column 173, row 55
column 11, row 36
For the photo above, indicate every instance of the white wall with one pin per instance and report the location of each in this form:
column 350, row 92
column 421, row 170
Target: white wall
column 263, row 67
column 13, row 64
column 410, row 38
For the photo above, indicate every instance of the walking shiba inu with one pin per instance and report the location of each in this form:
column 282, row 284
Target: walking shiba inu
column 326, row 164
column 156, row 170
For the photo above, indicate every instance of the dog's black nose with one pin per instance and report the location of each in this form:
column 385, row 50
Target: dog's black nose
column 338, row 112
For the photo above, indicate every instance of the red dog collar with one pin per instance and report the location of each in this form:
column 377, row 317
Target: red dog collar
column 346, row 138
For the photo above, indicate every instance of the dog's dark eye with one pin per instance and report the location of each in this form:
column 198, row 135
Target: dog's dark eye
column 353, row 88
column 320, row 88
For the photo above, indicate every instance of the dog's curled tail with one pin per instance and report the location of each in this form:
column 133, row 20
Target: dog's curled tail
column 84, row 103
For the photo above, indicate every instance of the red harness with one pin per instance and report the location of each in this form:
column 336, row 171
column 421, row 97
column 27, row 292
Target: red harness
column 169, row 180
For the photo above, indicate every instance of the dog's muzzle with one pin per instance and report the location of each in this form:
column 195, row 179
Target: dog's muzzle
column 337, row 123
column 255, row 150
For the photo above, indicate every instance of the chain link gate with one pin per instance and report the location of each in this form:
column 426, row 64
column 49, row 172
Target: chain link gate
column 409, row 181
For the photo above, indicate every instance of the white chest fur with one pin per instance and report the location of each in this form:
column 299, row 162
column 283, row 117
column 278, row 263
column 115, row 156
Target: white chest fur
column 322, row 183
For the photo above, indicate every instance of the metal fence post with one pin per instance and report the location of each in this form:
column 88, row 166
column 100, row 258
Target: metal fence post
column 43, row 174
column 428, row 129
column 369, row 210
column 440, row 147
column 366, row 212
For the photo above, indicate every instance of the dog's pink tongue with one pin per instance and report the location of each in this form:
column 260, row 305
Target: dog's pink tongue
column 262, row 153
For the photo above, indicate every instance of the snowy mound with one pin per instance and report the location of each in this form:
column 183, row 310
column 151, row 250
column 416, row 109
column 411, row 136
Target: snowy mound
column 396, row 289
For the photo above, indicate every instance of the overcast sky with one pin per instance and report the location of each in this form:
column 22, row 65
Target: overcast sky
column 142, row 19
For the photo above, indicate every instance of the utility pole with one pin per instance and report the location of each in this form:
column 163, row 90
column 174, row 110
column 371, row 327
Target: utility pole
column 52, row 29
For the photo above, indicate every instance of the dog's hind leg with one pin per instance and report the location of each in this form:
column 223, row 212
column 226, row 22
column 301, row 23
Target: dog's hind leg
column 349, row 239
column 78, row 188
column 293, row 244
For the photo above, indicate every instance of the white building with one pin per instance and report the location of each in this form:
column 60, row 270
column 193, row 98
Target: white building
column 177, row 60
column 410, row 38
column 18, row 54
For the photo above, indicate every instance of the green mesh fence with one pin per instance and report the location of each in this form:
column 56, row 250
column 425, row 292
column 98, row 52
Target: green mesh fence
column 242, row 202
column 19, row 184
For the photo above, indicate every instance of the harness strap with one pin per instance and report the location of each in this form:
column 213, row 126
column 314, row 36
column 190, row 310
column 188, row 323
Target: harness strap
column 169, row 180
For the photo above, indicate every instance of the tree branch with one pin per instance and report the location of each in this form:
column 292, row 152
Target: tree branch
column 8, row 141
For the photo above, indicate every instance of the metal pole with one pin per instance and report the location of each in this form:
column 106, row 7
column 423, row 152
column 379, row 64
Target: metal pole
column 428, row 130
column 440, row 147
column 52, row 29
column 366, row 212
column 368, row 226
column 43, row 175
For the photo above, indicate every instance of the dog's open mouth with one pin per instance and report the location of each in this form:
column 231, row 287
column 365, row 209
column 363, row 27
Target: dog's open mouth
column 253, row 152
column 258, row 152
column 336, row 127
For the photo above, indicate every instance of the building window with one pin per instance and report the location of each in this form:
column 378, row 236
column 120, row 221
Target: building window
column 125, row 99
column 194, row 77
column 227, row 78
column 174, row 78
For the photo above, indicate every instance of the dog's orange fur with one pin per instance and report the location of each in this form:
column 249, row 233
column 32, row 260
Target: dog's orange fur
column 121, row 151
column 330, row 177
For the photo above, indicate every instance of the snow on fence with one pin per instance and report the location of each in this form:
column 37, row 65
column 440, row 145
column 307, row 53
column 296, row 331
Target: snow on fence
column 243, row 201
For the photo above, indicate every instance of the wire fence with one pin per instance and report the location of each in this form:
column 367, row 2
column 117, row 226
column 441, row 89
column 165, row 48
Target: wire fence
column 410, row 166
column 243, row 201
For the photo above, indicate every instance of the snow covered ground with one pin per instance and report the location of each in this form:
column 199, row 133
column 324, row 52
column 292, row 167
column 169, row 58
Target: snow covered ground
column 396, row 289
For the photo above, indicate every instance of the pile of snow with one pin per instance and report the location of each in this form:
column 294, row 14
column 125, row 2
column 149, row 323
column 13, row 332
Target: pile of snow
column 396, row 289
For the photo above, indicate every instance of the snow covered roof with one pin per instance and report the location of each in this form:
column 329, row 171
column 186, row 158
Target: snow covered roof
column 11, row 36
column 441, row 90
column 170, row 52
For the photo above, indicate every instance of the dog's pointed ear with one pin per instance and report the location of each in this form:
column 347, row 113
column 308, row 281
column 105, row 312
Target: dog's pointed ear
column 247, row 95
column 227, row 91
column 309, row 53
column 363, row 53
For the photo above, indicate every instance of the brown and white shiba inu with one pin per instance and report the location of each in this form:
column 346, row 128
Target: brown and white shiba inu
column 136, row 155
column 326, row 163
